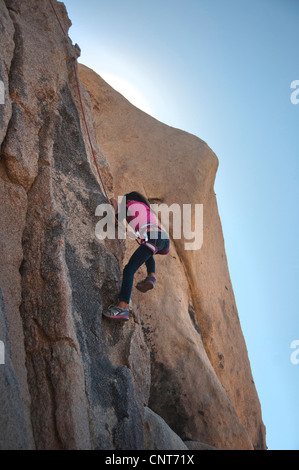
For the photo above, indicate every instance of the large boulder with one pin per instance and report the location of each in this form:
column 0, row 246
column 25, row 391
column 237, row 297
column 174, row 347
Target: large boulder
column 202, row 383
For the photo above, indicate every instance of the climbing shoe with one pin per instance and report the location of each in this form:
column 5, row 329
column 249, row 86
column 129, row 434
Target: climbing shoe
column 116, row 313
column 147, row 284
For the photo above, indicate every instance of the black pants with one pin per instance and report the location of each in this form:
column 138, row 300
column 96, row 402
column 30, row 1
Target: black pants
column 139, row 257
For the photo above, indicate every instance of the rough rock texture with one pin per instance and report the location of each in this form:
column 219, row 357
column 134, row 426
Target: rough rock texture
column 201, row 379
column 15, row 433
column 72, row 380
column 55, row 275
column 193, row 445
column 158, row 435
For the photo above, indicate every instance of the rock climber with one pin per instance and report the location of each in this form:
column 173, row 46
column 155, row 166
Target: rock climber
column 135, row 208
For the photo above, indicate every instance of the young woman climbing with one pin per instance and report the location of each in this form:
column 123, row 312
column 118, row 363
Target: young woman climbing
column 154, row 240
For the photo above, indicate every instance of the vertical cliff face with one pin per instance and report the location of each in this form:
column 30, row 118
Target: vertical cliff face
column 201, row 379
column 72, row 380
column 55, row 275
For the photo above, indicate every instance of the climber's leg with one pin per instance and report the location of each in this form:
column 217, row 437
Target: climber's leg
column 140, row 256
column 147, row 284
column 116, row 313
column 151, row 266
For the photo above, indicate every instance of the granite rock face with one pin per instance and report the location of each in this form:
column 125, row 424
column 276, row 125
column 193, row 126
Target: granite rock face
column 202, row 383
column 71, row 379
column 15, row 435
column 55, row 275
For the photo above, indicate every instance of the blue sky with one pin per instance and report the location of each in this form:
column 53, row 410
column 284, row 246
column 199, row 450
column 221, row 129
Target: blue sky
column 223, row 71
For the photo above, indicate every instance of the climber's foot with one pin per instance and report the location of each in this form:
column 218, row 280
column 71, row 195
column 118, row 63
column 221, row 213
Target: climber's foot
column 116, row 313
column 147, row 284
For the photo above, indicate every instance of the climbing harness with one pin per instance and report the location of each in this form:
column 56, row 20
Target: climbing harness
column 145, row 241
column 153, row 247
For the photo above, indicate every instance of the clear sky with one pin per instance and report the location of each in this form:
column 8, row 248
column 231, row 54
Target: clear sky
column 222, row 70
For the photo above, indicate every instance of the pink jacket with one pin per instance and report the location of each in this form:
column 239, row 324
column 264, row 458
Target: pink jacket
column 140, row 217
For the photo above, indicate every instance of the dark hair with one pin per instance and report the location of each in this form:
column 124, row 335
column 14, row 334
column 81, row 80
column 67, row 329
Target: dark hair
column 135, row 196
